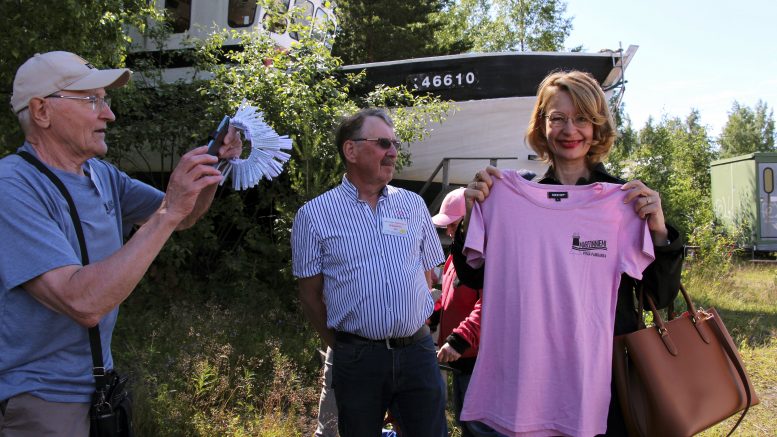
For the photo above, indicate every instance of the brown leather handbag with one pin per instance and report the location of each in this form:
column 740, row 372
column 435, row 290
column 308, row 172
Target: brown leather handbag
column 680, row 377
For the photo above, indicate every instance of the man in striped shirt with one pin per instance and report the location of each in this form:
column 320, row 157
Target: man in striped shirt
column 363, row 254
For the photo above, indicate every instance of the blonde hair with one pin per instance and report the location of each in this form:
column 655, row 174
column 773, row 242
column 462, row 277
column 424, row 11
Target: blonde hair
column 589, row 100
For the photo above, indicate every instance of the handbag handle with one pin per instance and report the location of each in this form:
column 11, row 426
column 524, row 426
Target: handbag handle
column 696, row 316
column 726, row 342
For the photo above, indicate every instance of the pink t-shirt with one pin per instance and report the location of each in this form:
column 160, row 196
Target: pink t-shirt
column 555, row 255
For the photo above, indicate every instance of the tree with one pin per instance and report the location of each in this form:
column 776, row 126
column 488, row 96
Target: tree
column 440, row 27
column 500, row 25
column 372, row 31
column 93, row 29
column 748, row 130
column 625, row 143
column 673, row 158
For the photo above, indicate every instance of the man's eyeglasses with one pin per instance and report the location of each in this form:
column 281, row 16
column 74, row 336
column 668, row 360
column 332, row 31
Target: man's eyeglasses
column 560, row 120
column 384, row 143
column 98, row 103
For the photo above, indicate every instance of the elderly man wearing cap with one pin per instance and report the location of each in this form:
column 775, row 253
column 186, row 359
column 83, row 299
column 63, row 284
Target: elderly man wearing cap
column 48, row 297
column 459, row 318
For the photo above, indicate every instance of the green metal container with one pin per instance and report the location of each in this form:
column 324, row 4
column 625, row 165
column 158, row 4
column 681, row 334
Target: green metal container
column 744, row 196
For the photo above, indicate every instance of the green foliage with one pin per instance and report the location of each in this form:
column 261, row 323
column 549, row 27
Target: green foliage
column 141, row 140
column 671, row 157
column 747, row 302
column 500, row 25
column 303, row 95
column 366, row 26
column 625, row 143
column 201, row 369
column 440, row 27
column 93, row 29
column 748, row 130
column 714, row 257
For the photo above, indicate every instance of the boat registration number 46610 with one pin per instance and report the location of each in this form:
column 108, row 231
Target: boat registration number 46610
column 445, row 80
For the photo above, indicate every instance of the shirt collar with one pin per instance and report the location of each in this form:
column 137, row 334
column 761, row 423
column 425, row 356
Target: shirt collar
column 27, row 147
column 598, row 174
column 352, row 192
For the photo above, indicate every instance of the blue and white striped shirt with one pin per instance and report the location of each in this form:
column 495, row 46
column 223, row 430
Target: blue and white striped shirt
column 373, row 262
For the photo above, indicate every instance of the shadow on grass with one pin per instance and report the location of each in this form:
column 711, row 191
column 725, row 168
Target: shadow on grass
column 754, row 328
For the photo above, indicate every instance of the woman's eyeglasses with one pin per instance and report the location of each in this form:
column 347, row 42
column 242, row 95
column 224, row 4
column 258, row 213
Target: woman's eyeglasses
column 561, row 120
column 384, row 143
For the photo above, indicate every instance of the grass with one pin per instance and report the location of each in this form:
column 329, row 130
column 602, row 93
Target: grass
column 745, row 295
column 249, row 366
column 206, row 369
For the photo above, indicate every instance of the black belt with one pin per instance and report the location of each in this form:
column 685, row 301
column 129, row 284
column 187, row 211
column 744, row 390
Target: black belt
column 391, row 343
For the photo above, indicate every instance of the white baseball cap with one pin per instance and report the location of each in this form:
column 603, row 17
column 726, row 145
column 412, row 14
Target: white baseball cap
column 46, row 73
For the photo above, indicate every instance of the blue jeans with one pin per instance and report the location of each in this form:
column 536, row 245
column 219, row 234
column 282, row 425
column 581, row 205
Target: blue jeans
column 474, row 428
column 369, row 378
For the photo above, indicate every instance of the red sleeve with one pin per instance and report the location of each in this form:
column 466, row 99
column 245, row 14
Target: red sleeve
column 469, row 328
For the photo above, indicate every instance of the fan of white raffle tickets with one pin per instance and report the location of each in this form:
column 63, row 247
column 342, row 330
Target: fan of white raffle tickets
column 266, row 158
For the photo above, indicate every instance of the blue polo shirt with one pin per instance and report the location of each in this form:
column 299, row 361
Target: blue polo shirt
column 42, row 352
column 372, row 261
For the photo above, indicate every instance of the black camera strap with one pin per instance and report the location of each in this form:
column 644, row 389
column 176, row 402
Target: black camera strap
column 98, row 367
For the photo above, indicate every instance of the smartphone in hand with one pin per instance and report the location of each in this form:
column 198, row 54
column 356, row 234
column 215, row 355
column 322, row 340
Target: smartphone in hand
column 217, row 138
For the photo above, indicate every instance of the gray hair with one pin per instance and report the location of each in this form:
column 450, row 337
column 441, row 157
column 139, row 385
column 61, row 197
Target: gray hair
column 24, row 119
column 351, row 126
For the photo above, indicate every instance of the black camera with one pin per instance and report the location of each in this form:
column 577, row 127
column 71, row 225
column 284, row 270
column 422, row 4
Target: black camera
column 111, row 412
column 217, row 138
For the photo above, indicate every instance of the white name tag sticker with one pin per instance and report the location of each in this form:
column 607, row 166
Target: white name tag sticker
column 394, row 226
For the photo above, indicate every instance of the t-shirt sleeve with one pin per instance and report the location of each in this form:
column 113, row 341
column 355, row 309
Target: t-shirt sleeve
column 136, row 201
column 139, row 200
column 475, row 244
column 34, row 242
column 306, row 247
column 637, row 245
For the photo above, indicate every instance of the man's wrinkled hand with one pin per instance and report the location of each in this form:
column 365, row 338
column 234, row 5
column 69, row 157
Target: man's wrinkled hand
column 194, row 172
column 233, row 144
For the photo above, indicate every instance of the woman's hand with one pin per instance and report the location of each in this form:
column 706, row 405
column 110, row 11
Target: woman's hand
column 647, row 204
column 479, row 188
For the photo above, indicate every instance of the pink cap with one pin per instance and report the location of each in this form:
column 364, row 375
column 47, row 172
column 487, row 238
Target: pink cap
column 453, row 208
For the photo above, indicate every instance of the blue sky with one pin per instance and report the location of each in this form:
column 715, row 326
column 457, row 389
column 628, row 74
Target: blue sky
column 692, row 54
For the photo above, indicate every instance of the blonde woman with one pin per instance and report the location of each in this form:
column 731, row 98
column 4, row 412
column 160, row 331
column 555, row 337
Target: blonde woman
column 572, row 130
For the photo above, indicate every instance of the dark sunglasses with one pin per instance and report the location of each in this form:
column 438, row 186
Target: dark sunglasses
column 384, row 143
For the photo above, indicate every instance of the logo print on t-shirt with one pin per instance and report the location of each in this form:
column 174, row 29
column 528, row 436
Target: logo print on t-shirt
column 588, row 247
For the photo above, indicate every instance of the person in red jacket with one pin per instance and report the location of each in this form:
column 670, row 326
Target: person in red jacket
column 459, row 318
